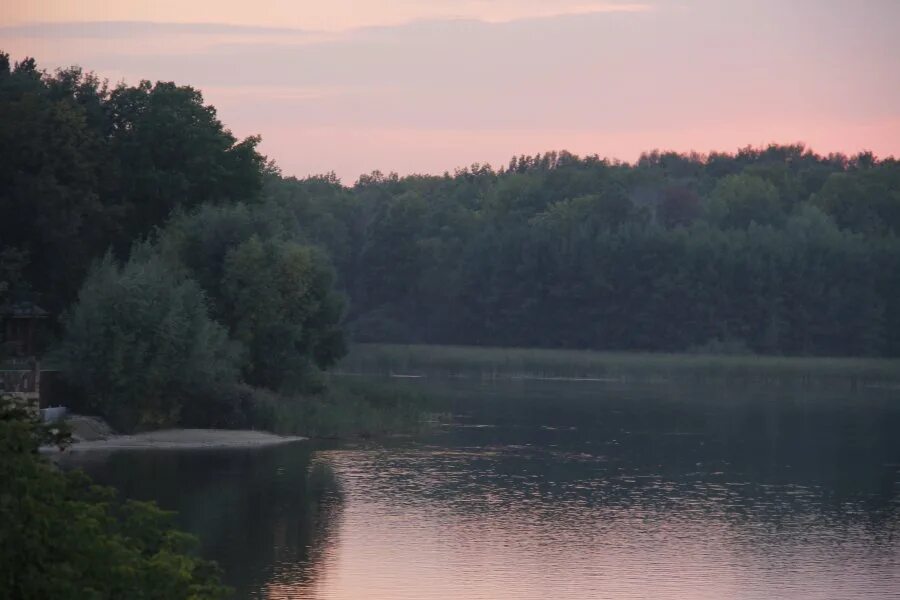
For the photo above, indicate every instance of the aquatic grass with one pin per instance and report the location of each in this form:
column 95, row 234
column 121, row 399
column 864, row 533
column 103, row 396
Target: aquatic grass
column 345, row 409
column 532, row 363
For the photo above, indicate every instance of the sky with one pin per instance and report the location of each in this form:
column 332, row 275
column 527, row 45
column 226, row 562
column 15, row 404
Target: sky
column 426, row 86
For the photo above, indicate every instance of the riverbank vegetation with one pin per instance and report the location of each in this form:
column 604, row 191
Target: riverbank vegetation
column 63, row 537
column 532, row 363
column 186, row 270
column 346, row 408
column 133, row 215
column 773, row 251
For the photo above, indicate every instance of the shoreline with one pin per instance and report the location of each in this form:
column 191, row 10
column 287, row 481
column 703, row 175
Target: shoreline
column 179, row 439
column 418, row 361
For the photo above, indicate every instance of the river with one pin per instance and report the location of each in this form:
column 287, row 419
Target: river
column 564, row 490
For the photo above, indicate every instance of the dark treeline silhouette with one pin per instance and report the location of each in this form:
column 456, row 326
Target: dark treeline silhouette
column 86, row 168
column 775, row 250
column 144, row 332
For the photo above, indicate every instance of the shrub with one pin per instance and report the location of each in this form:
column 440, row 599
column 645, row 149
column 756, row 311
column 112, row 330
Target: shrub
column 139, row 343
column 63, row 537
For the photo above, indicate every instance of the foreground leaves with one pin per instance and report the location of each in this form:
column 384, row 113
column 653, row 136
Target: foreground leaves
column 62, row 537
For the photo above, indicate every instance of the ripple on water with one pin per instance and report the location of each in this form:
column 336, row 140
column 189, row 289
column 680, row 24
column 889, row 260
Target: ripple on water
column 513, row 522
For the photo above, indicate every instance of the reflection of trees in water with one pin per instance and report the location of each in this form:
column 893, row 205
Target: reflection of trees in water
column 561, row 462
column 742, row 454
column 300, row 551
column 261, row 514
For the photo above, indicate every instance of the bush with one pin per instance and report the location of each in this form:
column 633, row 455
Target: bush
column 64, row 538
column 139, row 343
column 273, row 292
column 344, row 409
column 281, row 306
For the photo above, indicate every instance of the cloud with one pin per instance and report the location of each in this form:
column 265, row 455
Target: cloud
column 128, row 29
column 334, row 15
column 611, row 70
column 504, row 11
column 619, row 78
column 484, row 11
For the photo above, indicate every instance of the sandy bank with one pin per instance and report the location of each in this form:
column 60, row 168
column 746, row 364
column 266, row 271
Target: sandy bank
column 182, row 439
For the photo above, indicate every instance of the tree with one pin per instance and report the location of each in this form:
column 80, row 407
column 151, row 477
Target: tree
column 139, row 342
column 668, row 253
column 50, row 206
column 679, row 206
column 739, row 200
column 63, row 537
column 281, row 305
column 171, row 151
column 559, row 250
column 85, row 168
column 867, row 201
column 274, row 294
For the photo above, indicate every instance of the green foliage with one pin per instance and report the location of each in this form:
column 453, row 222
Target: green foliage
column 777, row 250
column 866, row 201
column 678, row 206
column 140, row 344
column 739, row 200
column 279, row 303
column 173, row 152
column 62, row 537
column 719, row 360
column 344, row 409
column 85, row 167
column 274, row 295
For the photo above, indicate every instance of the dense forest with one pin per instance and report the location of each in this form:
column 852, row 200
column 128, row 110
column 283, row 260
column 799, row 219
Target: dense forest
column 189, row 282
column 144, row 333
column 774, row 250
column 140, row 195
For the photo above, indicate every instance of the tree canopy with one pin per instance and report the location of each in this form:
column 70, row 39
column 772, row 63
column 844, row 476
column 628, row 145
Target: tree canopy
column 86, row 167
column 777, row 250
column 774, row 249
column 140, row 343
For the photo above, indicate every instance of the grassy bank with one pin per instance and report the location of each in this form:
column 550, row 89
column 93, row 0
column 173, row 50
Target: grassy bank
column 347, row 408
column 524, row 363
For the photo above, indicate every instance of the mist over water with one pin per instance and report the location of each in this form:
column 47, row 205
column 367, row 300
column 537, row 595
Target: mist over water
column 561, row 490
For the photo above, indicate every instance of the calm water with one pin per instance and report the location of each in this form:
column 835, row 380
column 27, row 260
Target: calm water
column 561, row 490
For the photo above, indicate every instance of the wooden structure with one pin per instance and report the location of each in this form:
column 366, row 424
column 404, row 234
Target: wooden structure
column 24, row 383
column 22, row 324
column 21, row 330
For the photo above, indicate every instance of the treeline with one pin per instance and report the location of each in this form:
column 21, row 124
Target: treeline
column 162, row 318
column 185, row 268
column 87, row 167
column 775, row 250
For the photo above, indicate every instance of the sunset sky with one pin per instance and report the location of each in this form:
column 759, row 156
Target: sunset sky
column 429, row 85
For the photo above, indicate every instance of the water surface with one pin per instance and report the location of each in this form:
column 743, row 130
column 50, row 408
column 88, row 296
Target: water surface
column 564, row 490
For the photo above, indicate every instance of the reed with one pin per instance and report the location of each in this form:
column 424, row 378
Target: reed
column 345, row 409
column 534, row 363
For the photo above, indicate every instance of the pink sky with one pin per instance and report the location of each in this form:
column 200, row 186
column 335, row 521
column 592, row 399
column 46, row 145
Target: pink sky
column 429, row 85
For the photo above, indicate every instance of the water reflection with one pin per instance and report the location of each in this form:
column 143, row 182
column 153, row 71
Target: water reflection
column 555, row 491
column 262, row 514
column 473, row 525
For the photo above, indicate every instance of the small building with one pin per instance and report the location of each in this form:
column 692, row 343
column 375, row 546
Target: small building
column 21, row 330
column 22, row 325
